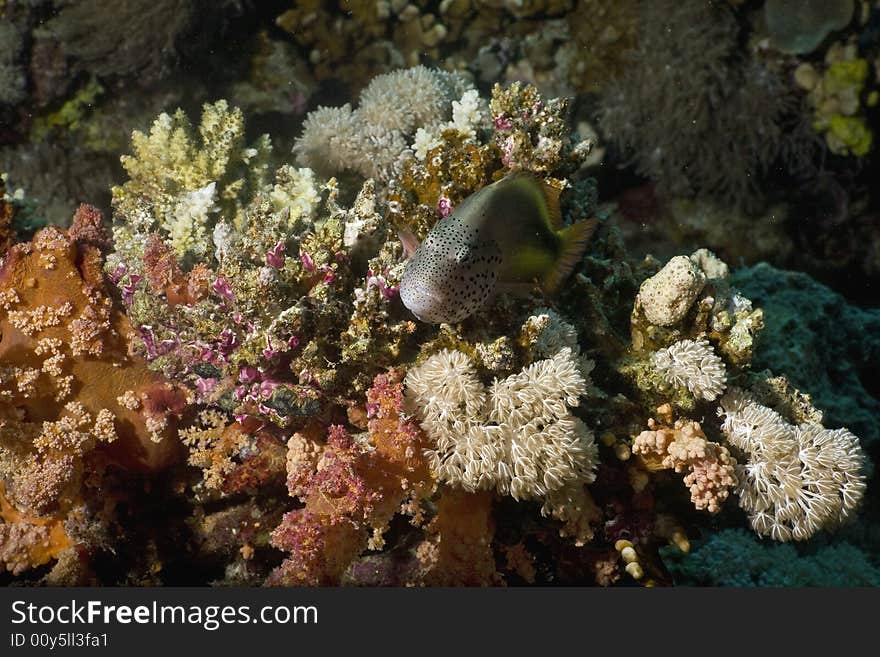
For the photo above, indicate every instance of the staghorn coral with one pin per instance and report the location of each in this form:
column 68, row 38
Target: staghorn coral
column 797, row 479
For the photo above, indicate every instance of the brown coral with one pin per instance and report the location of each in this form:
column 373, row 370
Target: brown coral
column 62, row 341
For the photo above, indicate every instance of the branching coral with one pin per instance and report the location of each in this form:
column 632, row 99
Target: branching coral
column 796, row 480
column 683, row 447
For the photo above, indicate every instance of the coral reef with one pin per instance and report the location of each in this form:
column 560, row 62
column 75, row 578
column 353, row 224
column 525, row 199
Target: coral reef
column 235, row 368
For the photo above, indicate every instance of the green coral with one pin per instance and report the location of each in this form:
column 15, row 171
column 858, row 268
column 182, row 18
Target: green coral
column 733, row 557
column 839, row 95
column 71, row 114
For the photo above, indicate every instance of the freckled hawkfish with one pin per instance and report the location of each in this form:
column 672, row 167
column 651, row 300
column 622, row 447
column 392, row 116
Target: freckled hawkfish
column 506, row 236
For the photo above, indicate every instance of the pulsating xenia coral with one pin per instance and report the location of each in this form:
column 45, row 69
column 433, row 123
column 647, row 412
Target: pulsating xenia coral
column 683, row 447
column 375, row 138
column 517, row 436
column 796, row 479
column 694, row 365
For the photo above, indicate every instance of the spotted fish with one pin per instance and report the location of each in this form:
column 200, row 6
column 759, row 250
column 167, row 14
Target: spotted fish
column 507, row 235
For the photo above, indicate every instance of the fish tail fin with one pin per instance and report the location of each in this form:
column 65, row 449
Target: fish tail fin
column 574, row 240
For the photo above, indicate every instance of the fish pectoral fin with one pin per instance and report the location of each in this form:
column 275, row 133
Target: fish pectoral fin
column 409, row 241
column 574, row 243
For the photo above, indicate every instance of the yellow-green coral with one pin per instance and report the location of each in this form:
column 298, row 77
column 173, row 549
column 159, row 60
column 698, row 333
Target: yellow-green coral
column 71, row 114
column 838, row 96
column 171, row 159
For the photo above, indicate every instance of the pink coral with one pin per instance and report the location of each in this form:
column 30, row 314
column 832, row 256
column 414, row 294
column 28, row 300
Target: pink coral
column 350, row 489
column 684, row 447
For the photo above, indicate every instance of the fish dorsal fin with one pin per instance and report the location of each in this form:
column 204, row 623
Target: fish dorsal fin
column 409, row 241
column 551, row 197
column 574, row 243
column 547, row 191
